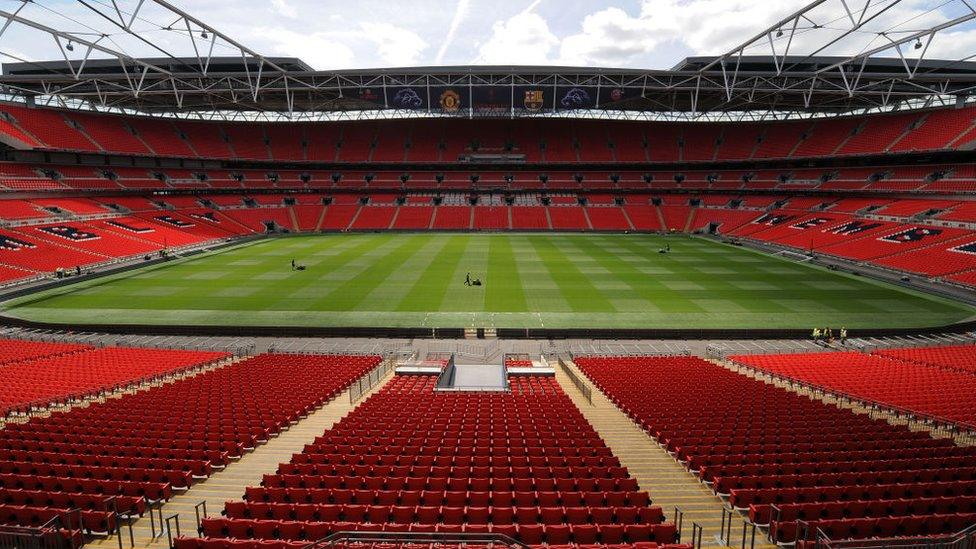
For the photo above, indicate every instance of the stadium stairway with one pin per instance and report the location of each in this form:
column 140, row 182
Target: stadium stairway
column 668, row 482
column 229, row 483
column 586, row 216
column 630, row 224
column 294, row 219
column 318, row 224
column 660, row 219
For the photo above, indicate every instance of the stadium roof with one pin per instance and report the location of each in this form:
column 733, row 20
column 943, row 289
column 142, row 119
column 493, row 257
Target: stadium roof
column 231, row 84
column 784, row 70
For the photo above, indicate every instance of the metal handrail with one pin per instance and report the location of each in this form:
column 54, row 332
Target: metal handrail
column 577, row 381
column 416, row 537
column 45, row 536
column 963, row 539
column 369, row 380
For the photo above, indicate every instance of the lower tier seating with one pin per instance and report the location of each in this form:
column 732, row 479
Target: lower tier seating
column 949, row 395
column 925, row 247
column 62, row 376
column 123, row 453
column 952, row 357
column 786, row 457
column 16, row 350
column 525, row 464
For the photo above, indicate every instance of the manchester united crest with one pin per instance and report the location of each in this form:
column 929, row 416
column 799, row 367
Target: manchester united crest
column 533, row 100
column 450, row 101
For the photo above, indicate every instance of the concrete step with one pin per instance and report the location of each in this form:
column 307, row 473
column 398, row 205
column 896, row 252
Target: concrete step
column 668, row 482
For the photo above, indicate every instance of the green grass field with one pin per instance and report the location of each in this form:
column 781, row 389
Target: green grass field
column 552, row 280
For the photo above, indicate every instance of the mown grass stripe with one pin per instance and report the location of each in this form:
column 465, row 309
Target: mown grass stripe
column 504, row 291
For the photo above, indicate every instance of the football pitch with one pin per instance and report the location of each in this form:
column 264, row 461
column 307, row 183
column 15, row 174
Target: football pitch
column 529, row 281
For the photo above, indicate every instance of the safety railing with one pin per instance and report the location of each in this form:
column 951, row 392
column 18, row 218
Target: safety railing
column 810, row 537
column 157, row 524
column 362, row 385
column 697, row 532
column 56, row 533
column 730, row 528
column 17, row 537
column 121, row 522
column 172, row 520
column 583, row 387
column 348, row 539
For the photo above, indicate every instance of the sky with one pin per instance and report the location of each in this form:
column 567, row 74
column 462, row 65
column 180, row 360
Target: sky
column 644, row 34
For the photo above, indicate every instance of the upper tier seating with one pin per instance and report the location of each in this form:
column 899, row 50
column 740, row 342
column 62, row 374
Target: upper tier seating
column 110, row 133
column 50, row 127
column 938, row 129
column 524, row 464
column 765, row 445
column 926, row 390
column 553, row 140
column 162, row 137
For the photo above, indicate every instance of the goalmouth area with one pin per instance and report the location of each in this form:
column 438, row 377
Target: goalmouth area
column 553, row 281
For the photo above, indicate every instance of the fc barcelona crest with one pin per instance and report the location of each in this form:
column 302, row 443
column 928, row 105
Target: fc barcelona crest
column 450, row 101
column 533, row 100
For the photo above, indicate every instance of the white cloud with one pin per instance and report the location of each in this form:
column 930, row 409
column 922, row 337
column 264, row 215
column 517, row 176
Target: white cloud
column 524, row 39
column 319, row 50
column 615, row 33
column 609, row 37
column 285, row 9
column 395, row 46
column 613, row 37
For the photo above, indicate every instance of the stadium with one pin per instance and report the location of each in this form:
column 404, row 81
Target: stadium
column 248, row 303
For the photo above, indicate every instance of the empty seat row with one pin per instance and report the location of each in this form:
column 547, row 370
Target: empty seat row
column 355, row 477
column 778, row 453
